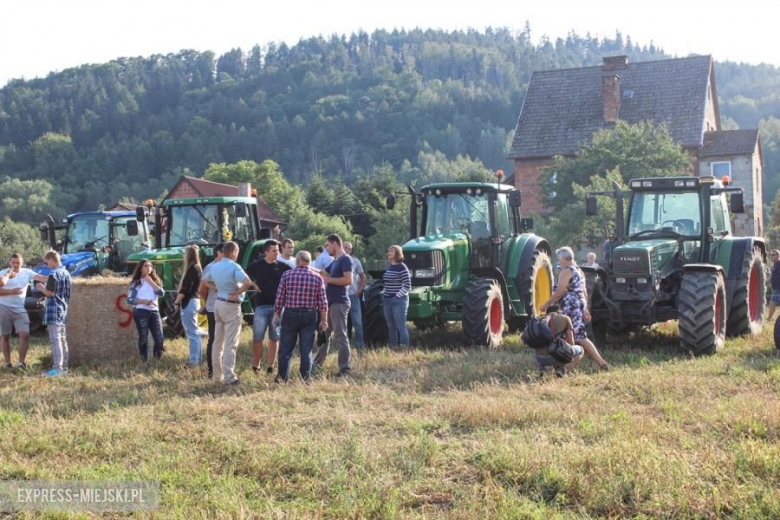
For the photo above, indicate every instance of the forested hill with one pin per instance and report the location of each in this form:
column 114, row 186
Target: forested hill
column 340, row 106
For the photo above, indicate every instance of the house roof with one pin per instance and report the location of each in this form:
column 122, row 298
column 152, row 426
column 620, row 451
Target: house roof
column 729, row 142
column 563, row 108
column 206, row 188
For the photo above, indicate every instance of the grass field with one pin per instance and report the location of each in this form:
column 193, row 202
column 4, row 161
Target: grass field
column 436, row 433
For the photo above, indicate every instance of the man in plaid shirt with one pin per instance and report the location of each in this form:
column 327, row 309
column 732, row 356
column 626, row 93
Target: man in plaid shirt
column 57, row 292
column 301, row 295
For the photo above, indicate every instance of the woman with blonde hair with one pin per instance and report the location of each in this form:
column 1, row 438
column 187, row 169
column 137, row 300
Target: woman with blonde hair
column 571, row 292
column 189, row 300
column 395, row 297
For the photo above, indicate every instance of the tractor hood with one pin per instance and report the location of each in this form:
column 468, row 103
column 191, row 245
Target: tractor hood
column 431, row 242
column 169, row 253
column 76, row 263
column 642, row 257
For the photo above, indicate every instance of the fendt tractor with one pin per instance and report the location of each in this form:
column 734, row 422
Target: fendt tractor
column 472, row 260
column 676, row 258
column 204, row 221
column 93, row 241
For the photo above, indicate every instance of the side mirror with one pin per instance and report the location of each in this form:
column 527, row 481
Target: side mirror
column 737, row 204
column 132, row 228
column 526, row 224
column 591, row 207
column 515, row 198
column 44, row 233
column 390, row 201
column 241, row 211
column 140, row 214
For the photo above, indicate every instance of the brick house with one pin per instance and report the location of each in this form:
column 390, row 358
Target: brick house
column 190, row 187
column 563, row 108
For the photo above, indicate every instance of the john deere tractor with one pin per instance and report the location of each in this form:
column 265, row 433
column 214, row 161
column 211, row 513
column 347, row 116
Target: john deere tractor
column 676, row 258
column 93, row 241
column 204, row 221
column 472, row 260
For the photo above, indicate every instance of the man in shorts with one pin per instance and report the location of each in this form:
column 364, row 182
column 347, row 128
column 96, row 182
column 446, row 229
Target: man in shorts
column 561, row 327
column 14, row 282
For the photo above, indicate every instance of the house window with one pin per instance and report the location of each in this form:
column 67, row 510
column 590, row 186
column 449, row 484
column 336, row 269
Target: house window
column 719, row 169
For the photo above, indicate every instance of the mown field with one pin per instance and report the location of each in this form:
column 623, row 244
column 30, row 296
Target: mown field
column 437, row 433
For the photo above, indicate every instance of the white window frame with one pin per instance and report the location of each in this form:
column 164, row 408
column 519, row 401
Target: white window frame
column 712, row 169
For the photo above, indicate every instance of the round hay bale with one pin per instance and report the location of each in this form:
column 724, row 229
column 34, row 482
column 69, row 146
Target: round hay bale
column 100, row 321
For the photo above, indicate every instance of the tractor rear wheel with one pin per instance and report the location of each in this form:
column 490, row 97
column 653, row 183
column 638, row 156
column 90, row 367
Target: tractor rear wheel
column 374, row 325
column 535, row 289
column 483, row 313
column 172, row 315
column 702, row 312
column 748, row 304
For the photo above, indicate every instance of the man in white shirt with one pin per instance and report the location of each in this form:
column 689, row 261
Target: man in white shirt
column 288, row 252
column 13, row 291
column 355, row 296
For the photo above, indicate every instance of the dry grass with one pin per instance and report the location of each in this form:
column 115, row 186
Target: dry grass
column 436, row 433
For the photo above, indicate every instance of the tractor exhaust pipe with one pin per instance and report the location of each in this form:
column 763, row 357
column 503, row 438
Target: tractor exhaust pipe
column 620, row 231
column 412, row 213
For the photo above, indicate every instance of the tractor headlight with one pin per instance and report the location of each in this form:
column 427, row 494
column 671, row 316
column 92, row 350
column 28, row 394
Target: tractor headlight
column 427, row 272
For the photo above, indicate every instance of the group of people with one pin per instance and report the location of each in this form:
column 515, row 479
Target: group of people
column 292, row 297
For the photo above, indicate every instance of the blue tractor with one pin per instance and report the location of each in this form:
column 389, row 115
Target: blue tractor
column 92, row 242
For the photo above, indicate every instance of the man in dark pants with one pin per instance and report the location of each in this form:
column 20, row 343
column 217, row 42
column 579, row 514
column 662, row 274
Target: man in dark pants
column 338, row 278
column 301, row 296
column 210, row 295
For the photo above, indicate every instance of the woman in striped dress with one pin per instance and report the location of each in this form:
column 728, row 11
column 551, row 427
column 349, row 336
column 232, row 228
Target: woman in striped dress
column 395, row 297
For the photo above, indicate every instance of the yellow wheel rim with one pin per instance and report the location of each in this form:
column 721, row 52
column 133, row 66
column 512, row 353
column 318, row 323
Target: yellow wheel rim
column 542, row 288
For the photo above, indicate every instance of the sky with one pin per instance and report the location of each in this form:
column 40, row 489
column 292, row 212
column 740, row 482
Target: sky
column 42, row 36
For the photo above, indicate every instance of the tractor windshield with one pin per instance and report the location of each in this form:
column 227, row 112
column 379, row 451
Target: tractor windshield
column 86, row 232
column 458, row 212
column 198, row 224
column 665, row 212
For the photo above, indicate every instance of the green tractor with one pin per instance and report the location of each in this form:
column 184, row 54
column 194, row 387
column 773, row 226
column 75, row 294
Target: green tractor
column 676, row 258
column 204, row 221
column 472, row 260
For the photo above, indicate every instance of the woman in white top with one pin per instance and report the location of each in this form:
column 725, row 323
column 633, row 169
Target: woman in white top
column 145, row 289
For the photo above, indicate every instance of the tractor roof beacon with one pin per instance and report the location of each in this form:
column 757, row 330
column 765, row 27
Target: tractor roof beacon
column 472, row 259
column 674, row 257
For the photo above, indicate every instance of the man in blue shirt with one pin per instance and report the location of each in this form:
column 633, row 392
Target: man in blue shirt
column 231, row 283
column 338, row 278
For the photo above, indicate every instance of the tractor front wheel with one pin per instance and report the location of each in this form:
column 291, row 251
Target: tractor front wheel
column 748, row 304
column 702, row 312
column 374, row 325
column 535, row 289
column 483, row 313
column 172, row 315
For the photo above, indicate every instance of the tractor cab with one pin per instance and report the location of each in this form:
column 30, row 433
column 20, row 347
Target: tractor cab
column 485, row 214
column 208, row 221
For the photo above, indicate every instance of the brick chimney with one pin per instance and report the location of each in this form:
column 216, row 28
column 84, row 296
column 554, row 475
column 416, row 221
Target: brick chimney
column 610, row 86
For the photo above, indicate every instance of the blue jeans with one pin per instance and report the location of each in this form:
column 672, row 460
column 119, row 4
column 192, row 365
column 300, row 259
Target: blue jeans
column 189, row 319
column 356, row 314
column 395, row 317
column 148, row 321
column 264, row 315
column 298, row 325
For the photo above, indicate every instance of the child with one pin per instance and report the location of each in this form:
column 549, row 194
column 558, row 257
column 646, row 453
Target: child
column 57, row 292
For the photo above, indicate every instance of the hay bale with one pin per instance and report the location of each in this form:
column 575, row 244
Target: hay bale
column 100, row 321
